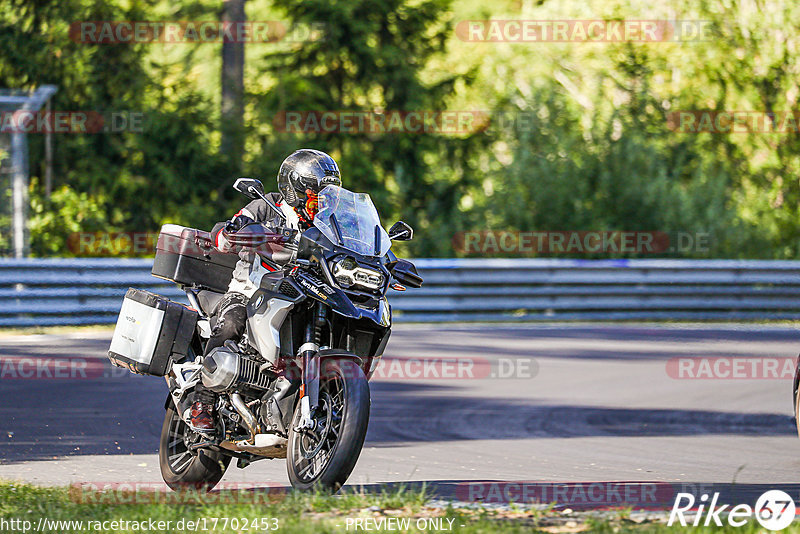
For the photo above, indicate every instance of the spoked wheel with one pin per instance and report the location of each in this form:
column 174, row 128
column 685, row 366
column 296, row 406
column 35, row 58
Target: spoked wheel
column 180, row 466
column 325, row 455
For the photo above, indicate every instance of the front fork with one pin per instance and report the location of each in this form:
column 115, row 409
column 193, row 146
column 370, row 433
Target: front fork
column 309, row 351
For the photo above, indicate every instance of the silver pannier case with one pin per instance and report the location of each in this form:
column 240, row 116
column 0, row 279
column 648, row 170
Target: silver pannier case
column 152, row 332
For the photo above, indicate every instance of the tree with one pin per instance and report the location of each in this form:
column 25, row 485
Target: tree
column 133, row 180
column 371, row 56
column 232, row 108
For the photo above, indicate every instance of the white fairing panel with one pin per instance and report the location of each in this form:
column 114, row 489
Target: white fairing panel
column 137, row 330
column 264, row 328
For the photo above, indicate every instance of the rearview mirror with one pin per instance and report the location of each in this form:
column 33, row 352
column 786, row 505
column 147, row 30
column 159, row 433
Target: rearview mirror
column 400, row 231
column 249, row 186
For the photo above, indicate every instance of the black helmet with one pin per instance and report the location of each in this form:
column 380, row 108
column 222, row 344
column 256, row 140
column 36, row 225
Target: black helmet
column 306, row 169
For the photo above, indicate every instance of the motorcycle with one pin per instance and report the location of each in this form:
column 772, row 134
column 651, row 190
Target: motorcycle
column 296, row 385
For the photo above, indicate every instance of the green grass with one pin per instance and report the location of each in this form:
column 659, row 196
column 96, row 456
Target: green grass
column 297, row 513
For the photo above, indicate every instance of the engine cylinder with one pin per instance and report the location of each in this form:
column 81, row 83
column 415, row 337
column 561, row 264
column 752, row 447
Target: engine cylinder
column 224, row 370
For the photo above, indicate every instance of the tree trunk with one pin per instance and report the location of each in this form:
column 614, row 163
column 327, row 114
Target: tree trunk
column 232, row 127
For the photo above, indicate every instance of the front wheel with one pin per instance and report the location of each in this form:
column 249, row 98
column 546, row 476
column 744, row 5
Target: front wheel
column 797, row 395
column 182, row 467
column 324, row 456
column 797, row 410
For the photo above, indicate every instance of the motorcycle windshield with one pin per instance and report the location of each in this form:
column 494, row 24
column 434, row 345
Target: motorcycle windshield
column 351, row 221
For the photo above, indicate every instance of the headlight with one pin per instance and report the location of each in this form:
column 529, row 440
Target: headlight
column 349, row 273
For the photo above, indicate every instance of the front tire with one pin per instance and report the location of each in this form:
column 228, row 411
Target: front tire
column 797, row 411
column 325, row 457
column 796, row 391
column 182, row 468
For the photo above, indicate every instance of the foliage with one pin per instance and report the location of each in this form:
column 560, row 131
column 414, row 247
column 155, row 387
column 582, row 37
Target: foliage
column 370, row 56
column 66, row 213
column 578, row 137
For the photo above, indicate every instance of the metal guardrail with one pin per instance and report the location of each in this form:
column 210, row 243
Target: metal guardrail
column 89, row 291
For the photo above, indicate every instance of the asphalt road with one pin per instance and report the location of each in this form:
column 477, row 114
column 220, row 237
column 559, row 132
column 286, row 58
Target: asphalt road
column 455, row 406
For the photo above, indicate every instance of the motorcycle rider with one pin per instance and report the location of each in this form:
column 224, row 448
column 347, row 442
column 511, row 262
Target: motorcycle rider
column 302, row 175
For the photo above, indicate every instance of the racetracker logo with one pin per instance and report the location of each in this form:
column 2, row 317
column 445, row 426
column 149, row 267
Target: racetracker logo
column 569, row 494
column 70, row 122
column 774, row 510
column 193, row 32
column 100, row 244
column 731, row 368
column 381, row 122
column 47, row 368
column 105, row 244
column 133, row 493
column 579, row 242
column 583, row 31
column 734, row 122
column 466, row 368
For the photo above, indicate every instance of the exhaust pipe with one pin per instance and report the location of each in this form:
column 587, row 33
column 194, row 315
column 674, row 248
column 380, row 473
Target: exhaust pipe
column 249, row 419
column 269, row 445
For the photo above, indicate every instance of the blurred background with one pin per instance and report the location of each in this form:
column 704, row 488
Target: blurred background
column 574, row 136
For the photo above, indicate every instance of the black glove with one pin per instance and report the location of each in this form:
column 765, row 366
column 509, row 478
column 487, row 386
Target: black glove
column 287, row 234
column 236, row 224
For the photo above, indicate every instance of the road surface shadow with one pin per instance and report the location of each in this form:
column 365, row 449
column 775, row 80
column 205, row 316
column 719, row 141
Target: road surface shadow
column 407, row 416
column 46, row 420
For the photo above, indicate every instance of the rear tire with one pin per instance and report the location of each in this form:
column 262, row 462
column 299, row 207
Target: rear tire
column 343, row 445
column 181, row 468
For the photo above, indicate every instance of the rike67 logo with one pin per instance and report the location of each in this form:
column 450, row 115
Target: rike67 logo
column 774, row 510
